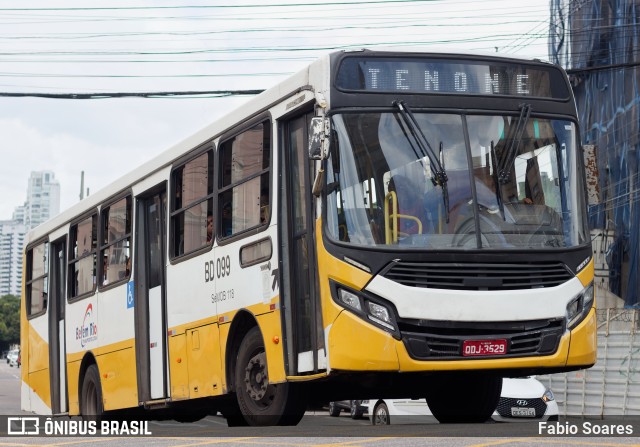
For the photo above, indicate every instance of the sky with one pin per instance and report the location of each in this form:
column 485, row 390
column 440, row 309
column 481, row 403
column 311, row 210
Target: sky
column 115, row 46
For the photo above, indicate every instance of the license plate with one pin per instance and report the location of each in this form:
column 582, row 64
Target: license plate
column 484, row 347
column 523, row 412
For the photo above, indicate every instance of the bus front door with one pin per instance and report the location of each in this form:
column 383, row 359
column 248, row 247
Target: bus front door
column 303, row 325
column 150, row 295
column 57, row 346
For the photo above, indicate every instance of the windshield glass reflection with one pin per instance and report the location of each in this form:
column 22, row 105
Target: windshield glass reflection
column 504, row 189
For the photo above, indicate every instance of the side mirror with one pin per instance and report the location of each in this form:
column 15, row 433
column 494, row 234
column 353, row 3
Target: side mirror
column 318, row 142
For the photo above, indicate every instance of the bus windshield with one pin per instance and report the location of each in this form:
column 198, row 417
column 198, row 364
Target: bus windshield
column 510, row 182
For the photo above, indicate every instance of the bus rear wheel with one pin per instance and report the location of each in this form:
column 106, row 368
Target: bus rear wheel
column 260, row 402
column 91, row 406
column 462, row 398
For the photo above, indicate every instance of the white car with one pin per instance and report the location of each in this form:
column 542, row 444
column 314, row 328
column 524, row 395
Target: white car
column 522, row 399
column 12, row 357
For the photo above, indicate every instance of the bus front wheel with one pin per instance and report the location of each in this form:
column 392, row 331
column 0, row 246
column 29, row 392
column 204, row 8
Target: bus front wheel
column 91, row 406
column 463, row 399
column 260, row 402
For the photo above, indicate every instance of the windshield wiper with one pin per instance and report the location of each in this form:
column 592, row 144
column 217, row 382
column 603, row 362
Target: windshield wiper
column 497, row 185
column 439, row 175
column 514, row 139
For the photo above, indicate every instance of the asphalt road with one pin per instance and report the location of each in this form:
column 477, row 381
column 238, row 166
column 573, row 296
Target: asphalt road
column 316, row 429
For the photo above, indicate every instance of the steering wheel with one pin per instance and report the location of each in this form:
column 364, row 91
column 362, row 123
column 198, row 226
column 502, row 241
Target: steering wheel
column 466, row 236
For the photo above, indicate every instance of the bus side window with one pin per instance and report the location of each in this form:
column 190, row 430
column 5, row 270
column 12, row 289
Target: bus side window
column 82, row 257
column 244, row 192
column 191, row 205
column 37, row 279
column 115, row 246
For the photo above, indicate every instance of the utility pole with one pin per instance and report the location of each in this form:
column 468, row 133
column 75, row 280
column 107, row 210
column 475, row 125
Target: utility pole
column 81, row 185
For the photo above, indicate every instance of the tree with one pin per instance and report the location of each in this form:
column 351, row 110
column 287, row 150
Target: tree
column 9, row 321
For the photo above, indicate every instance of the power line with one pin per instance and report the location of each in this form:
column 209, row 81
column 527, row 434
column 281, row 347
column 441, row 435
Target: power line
column 104, row 95
column 225, row 6
column 602, row 68
column 299, row 42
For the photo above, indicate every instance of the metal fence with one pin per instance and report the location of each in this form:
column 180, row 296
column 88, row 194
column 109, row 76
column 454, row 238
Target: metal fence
column 612, row 386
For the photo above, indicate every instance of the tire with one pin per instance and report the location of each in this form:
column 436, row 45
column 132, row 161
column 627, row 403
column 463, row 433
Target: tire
column 91, row 406
column 261, row 403
column 380, row 415
column 232, row 414
column 334, row 410
column 480, row 395
column 354, row 410
column 184, row 415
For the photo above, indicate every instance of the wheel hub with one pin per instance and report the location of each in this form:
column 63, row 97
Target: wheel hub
column 255, row 377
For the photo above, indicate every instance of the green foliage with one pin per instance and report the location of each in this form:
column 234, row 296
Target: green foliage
column 9, row 321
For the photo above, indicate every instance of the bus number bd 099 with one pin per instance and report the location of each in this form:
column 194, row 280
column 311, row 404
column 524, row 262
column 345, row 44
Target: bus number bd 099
column 219, row 268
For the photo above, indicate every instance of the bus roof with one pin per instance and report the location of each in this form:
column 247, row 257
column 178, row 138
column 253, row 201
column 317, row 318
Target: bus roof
column 253, row 106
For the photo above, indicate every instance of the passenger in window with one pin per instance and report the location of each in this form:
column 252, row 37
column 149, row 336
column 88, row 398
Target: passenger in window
column 105, row 268
column 264, row 207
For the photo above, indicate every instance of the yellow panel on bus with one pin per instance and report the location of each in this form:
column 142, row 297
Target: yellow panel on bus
column 117, row 377
column 178, row 367
column 203, row 354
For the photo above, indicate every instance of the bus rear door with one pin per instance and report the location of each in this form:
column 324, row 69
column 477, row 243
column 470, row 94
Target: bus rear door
column 150, row 294
column 57, row 345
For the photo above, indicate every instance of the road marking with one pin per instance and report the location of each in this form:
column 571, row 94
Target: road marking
column 215, row 441
column 502, row 441
column 84, row 441
column 381, row 438
column 560, row 440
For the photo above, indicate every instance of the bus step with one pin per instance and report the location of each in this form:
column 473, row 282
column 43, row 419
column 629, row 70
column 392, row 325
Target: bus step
column 156, row 404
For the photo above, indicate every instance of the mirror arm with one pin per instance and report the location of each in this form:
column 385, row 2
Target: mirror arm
column 318, row 183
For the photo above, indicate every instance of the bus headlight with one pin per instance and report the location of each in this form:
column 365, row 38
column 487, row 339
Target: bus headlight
column 579, row 307
column 364, row 305
column 350, row 299
column 380, row 315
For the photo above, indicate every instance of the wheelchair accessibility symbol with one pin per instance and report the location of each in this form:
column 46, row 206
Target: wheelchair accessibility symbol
column 130, row 301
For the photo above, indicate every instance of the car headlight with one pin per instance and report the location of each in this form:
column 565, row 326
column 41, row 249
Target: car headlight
column 366, row 307
column 579, row 307
column 548, row 396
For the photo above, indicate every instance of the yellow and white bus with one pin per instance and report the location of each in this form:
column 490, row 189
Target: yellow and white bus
column 381, row 224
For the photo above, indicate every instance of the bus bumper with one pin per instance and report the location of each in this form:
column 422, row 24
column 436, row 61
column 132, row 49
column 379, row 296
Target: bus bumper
column 355, row 345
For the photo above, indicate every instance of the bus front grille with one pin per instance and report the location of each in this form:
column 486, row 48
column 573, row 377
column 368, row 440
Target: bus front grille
column 476, row 276
column 432, row 340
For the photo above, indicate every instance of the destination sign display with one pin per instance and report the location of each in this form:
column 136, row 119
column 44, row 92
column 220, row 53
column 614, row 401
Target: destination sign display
column 455, row 76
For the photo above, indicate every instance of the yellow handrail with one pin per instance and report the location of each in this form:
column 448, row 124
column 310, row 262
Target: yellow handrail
column 391, row 219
